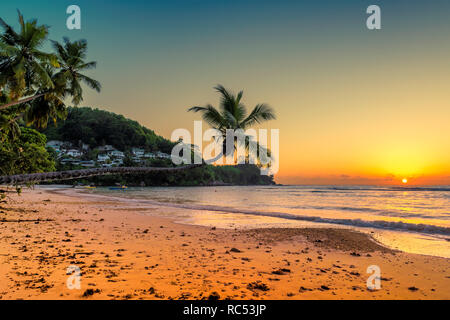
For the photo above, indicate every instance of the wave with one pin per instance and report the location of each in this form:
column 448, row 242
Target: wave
column 317, row 189
column 356, row 222
column 377, row 224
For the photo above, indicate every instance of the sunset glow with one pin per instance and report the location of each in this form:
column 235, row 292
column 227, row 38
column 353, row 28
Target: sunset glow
column 340, row 92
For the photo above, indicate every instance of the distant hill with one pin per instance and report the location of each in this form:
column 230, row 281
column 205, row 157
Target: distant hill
column 98, row 127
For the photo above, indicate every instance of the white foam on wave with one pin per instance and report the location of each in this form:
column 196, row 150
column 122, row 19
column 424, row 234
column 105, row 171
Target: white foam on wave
column 377, row 224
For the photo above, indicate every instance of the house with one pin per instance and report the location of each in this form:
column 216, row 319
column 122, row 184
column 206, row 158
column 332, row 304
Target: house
column 117, row 162
column 137, row 159
column 116, row 154
column 162, row 155
column 103, row 158
column 138, row 152
column 149, row 155
column 74, row 153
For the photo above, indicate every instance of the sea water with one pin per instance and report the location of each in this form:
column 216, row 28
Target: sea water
column 414, row 220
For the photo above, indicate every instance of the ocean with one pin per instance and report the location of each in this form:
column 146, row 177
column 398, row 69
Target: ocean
column 415, row 219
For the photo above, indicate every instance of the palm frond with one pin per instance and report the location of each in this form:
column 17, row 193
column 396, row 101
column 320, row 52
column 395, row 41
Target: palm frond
column 211, row 116
column 93, row 84
column 261, row 113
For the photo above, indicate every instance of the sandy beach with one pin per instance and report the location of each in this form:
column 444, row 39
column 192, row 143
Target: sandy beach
column 124, row 254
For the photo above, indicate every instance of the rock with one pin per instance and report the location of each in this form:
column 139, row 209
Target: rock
column 413, row 289
column 258, row 285
column 88, row 292
column 235, row 250
column 281, row 271
column 214, row 296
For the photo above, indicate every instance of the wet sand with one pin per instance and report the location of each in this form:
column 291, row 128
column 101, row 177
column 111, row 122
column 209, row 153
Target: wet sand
column 125, row 254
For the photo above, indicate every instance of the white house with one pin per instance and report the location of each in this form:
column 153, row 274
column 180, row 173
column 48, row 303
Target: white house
column 137, row 159
column 162, row 155
column 149, row 155
column 138, row 152
column 116, row 153
column 74, row 153
column 102, row 158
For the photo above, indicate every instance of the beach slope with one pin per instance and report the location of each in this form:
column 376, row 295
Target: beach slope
column 125, row 254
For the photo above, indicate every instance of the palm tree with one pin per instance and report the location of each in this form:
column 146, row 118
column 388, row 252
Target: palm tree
column 48, row 106
column 71, row 58
column 232, row 114
column 24, row 69
column 22, row 63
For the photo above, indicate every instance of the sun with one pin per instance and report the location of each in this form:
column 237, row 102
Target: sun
column 405, row 180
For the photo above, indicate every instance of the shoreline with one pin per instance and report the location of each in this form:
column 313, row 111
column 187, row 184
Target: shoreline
column 394, row 234
column 124, row 254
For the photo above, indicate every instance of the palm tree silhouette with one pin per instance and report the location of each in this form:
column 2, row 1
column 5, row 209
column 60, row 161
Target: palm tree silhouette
column 232, row 114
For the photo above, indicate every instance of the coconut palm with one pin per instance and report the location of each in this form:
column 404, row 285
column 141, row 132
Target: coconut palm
column 48, row 106
column 24, row 69
column 22, row 63
column 232, row 114
column 71, row 57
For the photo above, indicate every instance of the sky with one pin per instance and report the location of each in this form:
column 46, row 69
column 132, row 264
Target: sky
column 354, row 106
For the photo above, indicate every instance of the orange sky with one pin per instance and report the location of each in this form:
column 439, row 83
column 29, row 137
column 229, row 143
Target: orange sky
column 354, row 106
column 355, row 122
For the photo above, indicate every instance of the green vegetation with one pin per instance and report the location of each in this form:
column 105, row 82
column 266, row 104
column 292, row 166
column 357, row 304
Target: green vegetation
column 207, row 175
column 33, row 86
column 27, row 153
column 97, row 128
column 40, row 79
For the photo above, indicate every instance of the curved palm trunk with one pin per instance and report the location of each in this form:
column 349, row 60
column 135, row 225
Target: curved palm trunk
column 85, row 173
column 5, row 106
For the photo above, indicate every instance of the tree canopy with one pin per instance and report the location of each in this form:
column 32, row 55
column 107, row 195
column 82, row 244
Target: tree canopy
column 98, row 127
column 25, row 154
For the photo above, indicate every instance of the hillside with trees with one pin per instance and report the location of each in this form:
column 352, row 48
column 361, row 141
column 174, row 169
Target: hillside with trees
column 96, row 127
